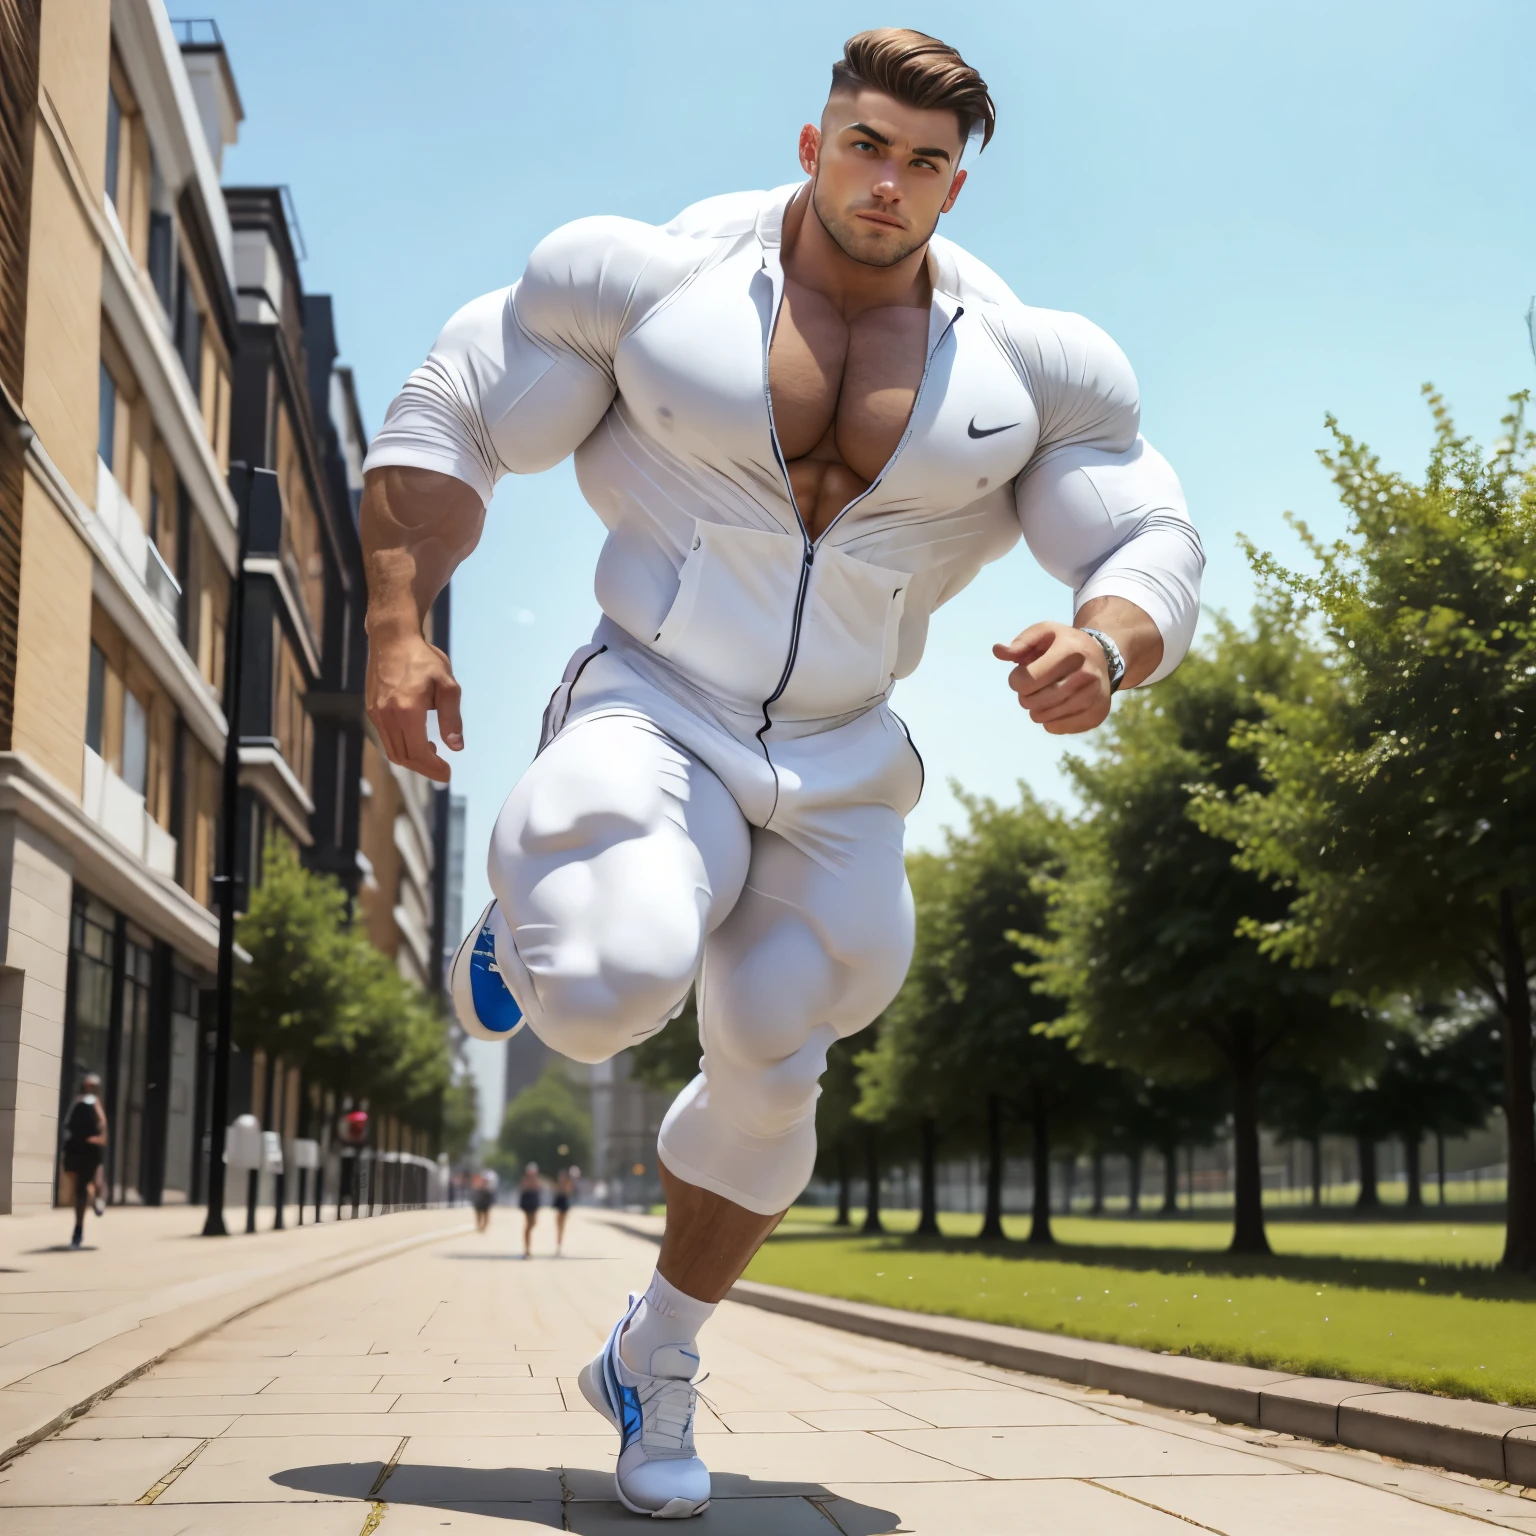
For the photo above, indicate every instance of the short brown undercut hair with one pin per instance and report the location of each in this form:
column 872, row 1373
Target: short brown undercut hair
column 918, row 71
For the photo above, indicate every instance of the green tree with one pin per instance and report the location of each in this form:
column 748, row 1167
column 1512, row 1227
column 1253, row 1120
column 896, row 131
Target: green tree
column 547, row 1124
column 1148, row 948
column 894, row 1082
column 971, row 1049
column 1400, row 804
column 295, row 997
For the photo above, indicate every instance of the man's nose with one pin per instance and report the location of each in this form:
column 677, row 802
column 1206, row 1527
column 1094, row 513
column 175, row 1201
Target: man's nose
column 888, row 186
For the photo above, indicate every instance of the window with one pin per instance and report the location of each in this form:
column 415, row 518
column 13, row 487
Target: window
column 189, row 332
column 135, row 744
column 96, row 700
column 114, row 142
column 162, row 240
column 106, row 417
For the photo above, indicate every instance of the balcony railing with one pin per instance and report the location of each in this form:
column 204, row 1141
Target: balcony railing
column 120, row 812
column 120, row 519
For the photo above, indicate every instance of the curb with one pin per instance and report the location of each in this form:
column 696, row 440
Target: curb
column 1480, row 1439
column 97, row 1372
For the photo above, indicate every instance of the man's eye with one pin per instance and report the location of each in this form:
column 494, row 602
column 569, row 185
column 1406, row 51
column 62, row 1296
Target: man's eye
column 925, row 165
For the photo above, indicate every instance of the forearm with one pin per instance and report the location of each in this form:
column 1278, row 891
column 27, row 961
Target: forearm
column 416, row 527
column 1131, row 628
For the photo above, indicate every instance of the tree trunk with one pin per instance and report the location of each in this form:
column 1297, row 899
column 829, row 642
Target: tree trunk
column 1369, row 1197
column 1040, row 1218
column 1440, row 1163
column 1316, row 1145
column 872, row 1180
column 1171, row 1179
column 1135, row 1162
column 1248, row 1178
column 992, row 1219
column 1519, row 1110
column 928, row 1217
column 1097, row 1209
column 1411, row 1146
column 844, row 1186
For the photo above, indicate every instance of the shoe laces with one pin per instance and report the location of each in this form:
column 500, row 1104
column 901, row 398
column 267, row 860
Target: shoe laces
column 666, row 1407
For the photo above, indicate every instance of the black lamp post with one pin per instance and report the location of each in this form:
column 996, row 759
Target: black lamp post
column 248, row 485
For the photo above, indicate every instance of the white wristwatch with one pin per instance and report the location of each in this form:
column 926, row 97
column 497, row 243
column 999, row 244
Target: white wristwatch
column 1111, row 655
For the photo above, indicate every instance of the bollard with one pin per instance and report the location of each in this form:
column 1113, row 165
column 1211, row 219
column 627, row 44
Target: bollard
column 243, row 1149
column 306, row 1157
column 272, row 1162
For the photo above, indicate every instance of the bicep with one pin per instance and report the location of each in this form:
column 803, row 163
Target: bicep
column 1113, row 524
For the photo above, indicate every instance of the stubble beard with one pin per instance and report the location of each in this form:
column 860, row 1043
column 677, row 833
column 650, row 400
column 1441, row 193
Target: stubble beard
column 846, row 234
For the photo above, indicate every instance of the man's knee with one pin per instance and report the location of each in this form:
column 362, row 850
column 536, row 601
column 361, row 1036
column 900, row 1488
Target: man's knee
column 590, row 1019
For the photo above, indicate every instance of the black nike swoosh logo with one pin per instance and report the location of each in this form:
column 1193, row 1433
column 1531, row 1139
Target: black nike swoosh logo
column 974, row 431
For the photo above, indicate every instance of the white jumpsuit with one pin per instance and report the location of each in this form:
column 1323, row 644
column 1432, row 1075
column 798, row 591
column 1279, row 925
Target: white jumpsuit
column 721, row 787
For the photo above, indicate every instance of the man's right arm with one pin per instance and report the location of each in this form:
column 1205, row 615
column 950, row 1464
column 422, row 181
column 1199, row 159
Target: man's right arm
column 515, row 382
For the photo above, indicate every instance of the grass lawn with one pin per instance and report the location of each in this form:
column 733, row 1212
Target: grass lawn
column 1416, row 1305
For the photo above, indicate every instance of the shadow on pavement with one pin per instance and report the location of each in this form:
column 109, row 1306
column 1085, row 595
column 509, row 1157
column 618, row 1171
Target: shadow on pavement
column 517, row 1258
column 742, row 1505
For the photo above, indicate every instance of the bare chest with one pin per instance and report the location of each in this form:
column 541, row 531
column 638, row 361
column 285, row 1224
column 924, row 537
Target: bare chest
column 842, row 393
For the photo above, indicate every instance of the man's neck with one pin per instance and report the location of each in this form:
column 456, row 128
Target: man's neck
column 812, row 258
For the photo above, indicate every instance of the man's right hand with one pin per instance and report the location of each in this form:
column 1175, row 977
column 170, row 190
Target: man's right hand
column 407, row 677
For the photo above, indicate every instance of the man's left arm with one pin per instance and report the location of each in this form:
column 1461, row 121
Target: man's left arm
column 1103, row 512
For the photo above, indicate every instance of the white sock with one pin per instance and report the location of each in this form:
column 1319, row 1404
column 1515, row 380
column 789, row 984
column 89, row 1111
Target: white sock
column 665, row 1317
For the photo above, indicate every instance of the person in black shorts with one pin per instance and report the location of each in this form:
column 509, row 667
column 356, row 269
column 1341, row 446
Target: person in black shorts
column 565, row 1193
column 530, row 1198
column 85, row 1143
column 482, row 1197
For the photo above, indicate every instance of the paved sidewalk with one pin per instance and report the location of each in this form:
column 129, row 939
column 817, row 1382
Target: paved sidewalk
column 75, row 1322
column 434, row 1392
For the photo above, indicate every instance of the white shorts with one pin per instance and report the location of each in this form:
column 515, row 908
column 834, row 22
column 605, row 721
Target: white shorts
column 655, row 841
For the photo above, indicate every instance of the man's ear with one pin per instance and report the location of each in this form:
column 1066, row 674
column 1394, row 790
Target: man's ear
column 810, row 148
column 954, row 191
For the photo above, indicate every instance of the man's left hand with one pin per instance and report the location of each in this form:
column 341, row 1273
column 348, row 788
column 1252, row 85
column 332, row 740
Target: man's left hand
column 1061, row 676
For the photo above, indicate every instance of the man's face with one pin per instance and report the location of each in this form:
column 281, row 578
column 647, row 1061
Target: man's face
column 883, row 172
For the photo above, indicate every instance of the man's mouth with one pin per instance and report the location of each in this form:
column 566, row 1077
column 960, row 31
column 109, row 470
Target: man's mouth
column 870, row 216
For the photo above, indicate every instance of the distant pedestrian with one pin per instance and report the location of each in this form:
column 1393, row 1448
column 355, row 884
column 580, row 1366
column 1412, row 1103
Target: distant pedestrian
column 565, row 1194
column 85, row 1145
column 482, row 1197
column 529, row 1197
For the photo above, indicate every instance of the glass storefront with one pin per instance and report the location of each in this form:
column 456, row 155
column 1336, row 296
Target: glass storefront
column 132, row 1020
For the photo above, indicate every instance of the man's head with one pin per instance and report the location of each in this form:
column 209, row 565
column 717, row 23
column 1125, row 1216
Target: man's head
column 885, row 160
column 90, row 1083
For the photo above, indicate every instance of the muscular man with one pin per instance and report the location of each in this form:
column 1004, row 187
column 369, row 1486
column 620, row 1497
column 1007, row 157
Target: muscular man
column 806, row 420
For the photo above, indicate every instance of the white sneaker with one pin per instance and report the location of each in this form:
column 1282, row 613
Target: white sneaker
column 658, row 1473
column 481, row 999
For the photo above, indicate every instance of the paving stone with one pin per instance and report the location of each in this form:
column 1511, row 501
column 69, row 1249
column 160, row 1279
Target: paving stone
column 964, row 1409
column 474, row 1519
column 283, row 1470
column 184, row 1520
column 735, row 1516
column 113, row 1472
column 1049, row 1451
column 1318, row 1506
column 1042, row 1508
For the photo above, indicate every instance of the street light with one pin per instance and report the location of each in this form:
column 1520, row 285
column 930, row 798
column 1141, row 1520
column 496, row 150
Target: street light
column 253, row 489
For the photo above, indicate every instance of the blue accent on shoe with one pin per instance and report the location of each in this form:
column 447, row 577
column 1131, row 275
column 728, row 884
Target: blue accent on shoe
column 633, row 1421
column 495, row 1006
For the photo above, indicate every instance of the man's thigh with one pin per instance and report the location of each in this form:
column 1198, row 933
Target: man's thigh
column 613, row 858
column 815, row 947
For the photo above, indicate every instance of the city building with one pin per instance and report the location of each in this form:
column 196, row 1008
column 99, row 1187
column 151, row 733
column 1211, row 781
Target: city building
column 117, row 540
column 152, row 326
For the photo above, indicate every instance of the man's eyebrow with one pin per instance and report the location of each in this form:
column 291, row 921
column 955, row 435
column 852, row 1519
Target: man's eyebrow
column 880, row 138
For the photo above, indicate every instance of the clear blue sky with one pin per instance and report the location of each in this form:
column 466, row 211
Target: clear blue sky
column 1278, row 211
